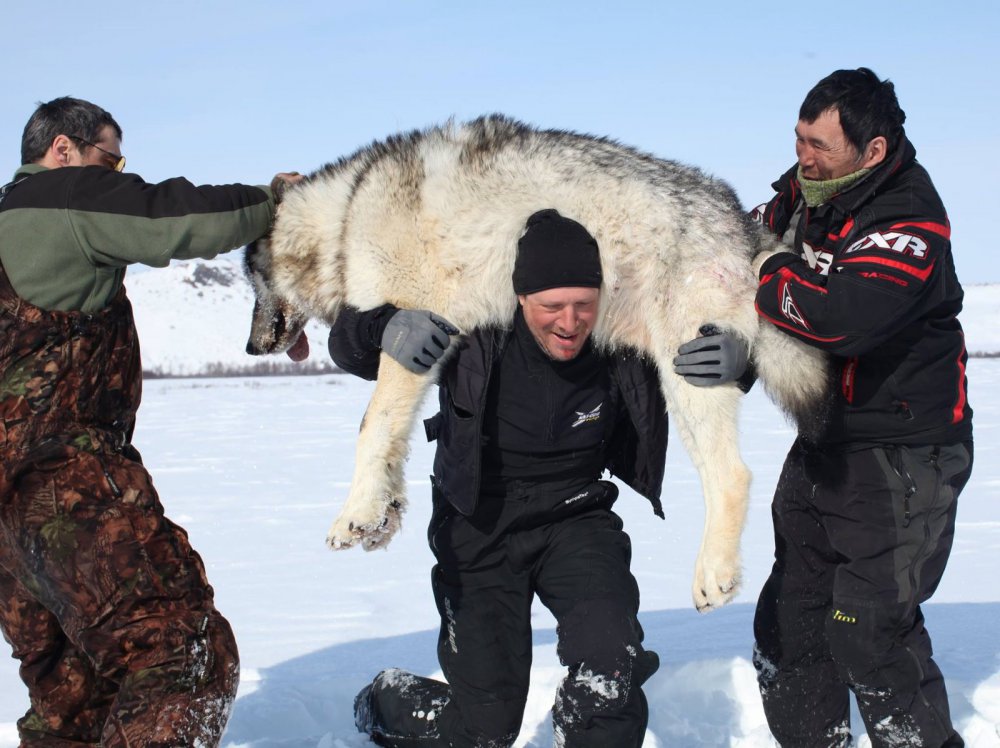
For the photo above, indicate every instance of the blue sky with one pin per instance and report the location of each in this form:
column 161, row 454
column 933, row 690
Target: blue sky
column 236, row 91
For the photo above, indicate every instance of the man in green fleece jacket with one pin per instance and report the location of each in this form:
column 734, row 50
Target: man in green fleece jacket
column 102, row 598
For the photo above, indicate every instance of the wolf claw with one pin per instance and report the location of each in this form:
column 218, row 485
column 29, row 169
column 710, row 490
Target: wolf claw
column 370, row 532
column 715, row 583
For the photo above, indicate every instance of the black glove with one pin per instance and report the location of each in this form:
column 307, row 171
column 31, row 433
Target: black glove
column 417, row 338
column 715, row 358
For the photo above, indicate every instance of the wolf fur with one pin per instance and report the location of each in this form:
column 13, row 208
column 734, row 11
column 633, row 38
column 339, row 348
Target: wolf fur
column 431, row 220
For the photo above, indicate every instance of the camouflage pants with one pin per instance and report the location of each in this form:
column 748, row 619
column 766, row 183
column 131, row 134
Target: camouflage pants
column 108, row 609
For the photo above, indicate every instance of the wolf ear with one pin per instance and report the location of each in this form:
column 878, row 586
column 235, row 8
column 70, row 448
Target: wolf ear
column 254, row 256
column 282, row 182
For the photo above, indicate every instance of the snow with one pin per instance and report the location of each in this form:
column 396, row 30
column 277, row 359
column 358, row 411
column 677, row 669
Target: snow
column 979, row 318
column 256, row 469
column 195, row 316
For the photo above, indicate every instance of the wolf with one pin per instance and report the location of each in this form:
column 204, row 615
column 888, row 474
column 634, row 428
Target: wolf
column 430, row 220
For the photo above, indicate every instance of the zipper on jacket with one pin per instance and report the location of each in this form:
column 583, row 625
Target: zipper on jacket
column 8, row 187
column 921, row 553
column 903, row 410
column 115, row 489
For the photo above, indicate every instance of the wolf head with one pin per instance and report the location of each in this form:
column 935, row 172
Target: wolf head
column 277, row 325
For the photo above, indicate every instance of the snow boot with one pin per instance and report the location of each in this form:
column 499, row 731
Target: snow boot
column 400, row 710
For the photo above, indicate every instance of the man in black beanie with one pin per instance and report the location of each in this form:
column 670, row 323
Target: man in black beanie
column 530, row 418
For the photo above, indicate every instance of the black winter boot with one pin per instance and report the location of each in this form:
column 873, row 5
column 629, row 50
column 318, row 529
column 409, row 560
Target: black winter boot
column 400, row 710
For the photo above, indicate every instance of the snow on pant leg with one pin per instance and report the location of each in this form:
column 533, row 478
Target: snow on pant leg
column 805, row 702
column 583, row 577
column 484, row 649
column 893, row 521
column 92, row 546
column 402, row 710
column 484, row 646
column 69, row 701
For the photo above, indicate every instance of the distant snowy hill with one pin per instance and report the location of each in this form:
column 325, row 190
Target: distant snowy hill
column 194, row 318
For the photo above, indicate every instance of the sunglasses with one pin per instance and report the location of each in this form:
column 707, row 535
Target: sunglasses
column 117, row 162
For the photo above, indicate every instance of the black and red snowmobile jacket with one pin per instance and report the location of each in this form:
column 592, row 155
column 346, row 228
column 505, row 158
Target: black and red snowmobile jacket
column 871, row 281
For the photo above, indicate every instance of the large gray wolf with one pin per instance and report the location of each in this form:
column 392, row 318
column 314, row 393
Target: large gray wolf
column 431, row 220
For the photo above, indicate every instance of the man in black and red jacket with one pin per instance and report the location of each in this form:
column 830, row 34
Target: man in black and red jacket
column 864, row 515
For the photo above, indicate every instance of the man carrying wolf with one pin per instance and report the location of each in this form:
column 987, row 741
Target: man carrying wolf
column 864, row 515
column 530, row 418
column 103, row 600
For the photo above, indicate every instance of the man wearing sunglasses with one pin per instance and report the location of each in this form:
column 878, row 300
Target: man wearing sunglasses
column 102, row 598
column 103, row 155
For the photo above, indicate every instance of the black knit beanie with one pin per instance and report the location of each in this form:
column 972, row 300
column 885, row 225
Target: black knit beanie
column 555, row 252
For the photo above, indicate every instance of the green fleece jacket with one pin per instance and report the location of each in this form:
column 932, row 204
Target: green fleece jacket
column 67, row 234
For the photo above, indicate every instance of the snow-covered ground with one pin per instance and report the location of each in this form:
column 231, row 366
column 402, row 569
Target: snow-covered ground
column 979, row 318
column 256, row 470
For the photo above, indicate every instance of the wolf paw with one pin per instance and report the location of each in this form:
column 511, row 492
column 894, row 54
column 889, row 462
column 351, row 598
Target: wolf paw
column 758, row 261
column 372, row 529
column 716, row 581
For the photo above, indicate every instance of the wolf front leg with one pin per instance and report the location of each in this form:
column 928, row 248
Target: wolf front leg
column 373, row 511
column 707, row 420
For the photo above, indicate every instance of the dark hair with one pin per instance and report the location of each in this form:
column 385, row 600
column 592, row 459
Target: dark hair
column 867, row 106
column 63, row 116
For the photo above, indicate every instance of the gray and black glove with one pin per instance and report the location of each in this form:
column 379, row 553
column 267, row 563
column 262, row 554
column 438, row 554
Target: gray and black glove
column 714, row 358
column 417, row 338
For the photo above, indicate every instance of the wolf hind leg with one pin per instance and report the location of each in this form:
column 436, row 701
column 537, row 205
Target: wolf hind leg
column 377, row 498
column 706, row 418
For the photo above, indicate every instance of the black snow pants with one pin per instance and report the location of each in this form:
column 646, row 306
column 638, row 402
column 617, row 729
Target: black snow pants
column 861, row 540
column 561, row 542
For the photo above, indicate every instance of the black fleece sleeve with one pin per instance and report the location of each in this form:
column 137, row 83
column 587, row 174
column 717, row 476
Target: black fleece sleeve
column 356, row 338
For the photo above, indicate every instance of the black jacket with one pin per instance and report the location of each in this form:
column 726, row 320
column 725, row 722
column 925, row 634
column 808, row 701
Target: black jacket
column 636, row 452
column 872, row 282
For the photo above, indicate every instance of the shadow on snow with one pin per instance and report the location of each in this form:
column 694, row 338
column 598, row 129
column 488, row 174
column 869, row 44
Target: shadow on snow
column 307, row 702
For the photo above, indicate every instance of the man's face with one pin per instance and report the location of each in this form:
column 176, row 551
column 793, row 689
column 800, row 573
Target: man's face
column 824, row 152
column 561, row 319
column 86, row 155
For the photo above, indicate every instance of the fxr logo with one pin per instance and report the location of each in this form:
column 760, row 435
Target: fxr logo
column 819, row 260
column 790, row 309
column 904, row 244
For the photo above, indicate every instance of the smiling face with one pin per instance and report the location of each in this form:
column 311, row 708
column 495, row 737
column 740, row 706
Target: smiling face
column 825, row 153
column 561, row 319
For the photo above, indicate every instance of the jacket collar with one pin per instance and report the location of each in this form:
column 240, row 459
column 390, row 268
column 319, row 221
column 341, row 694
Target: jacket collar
column 26, row 170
